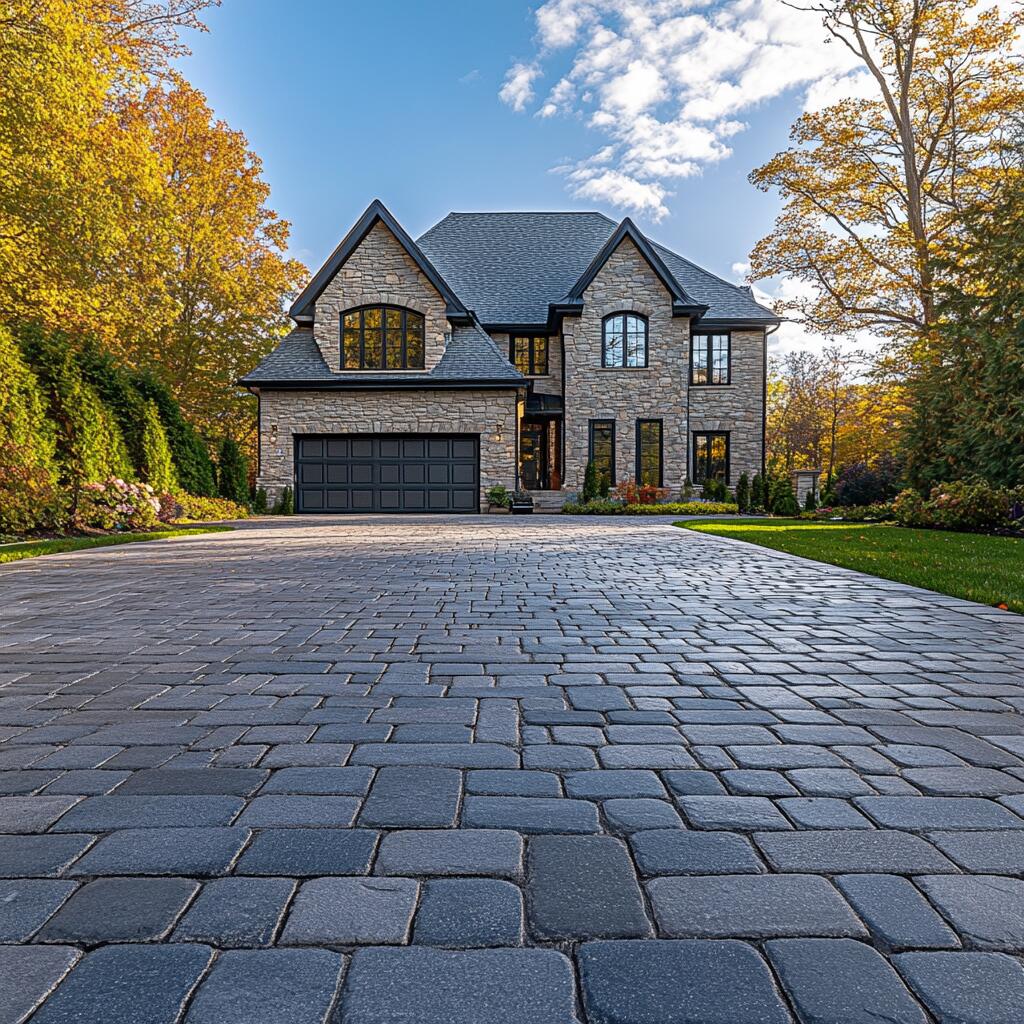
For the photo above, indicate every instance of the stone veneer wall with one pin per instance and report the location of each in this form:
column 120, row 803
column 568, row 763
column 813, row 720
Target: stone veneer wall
column 626, row 283
column 379, row 271
column 551, row 384
column 736, row 407
column 490, row 413
column 658, row 391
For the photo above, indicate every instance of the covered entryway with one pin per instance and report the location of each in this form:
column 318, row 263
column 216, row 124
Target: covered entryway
column 359, row 473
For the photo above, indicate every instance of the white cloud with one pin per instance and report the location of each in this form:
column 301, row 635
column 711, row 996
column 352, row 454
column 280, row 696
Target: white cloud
column 517, row 89
column 668, row 82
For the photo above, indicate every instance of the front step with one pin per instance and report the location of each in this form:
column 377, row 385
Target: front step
column 548, row 501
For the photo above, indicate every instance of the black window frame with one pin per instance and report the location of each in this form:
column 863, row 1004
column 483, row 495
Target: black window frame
column 624, row 365
column 661, row 450
column 602, row 422
column 708, row 352
column 384, row 307
column 532, row 361
column 693, row 453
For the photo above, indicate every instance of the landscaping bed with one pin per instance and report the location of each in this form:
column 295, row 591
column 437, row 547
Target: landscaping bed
column 977, row 567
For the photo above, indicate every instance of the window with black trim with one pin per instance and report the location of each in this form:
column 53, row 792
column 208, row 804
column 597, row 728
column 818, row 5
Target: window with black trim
column 711, row 456
column 648, row 453
column 530, row 355
column 711, row 358
column 382, row 338
column 624, row 340
column 602, row 449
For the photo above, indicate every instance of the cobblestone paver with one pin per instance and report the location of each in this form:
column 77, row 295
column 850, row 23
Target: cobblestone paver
column 503, row 771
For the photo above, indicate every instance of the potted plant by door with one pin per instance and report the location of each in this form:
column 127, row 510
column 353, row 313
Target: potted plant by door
column 499, row 499
column 522, row 503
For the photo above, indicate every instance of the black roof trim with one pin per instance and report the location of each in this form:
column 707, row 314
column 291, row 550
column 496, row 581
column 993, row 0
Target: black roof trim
column 682, row 303
column 427, row 383
column 736, row 325
column 375, row 212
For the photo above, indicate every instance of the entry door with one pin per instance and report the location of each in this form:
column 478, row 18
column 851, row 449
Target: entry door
column 533, row 455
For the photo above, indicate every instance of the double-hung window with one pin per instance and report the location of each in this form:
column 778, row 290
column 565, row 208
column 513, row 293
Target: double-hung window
column 711, row 456
column 602, row 449
column 648, row 453
column 624, row 340
column 530, row 355
column 710, row 359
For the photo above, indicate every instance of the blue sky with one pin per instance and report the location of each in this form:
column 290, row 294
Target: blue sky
column 403, row 100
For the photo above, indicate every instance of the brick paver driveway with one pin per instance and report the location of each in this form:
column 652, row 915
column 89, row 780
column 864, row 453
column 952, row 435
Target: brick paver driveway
column 442, row 771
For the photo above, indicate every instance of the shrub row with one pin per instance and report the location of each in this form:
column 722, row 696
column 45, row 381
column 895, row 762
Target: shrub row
column 961, row 505
column 604, row 507
column 84, row 441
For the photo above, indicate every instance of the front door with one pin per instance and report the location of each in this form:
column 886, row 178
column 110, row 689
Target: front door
column 533, row 455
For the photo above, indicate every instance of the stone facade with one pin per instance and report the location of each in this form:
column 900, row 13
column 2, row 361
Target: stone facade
column 492, row 414
column 658, row 391
column 736, row 407
column 661, row 389
column 379, row 271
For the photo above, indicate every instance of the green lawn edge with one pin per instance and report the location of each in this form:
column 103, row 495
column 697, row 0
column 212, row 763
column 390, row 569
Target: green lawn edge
column 976, row 567
column 33, row 548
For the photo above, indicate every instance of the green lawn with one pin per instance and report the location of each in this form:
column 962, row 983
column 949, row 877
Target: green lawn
column 989, row 570
column 31, row 548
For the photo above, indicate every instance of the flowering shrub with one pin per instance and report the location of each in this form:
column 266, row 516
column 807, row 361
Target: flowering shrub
column 117, row 505
column 876, row 512
column 195, row 508
column 958, row 505
column 631, row 493
column 669, row 508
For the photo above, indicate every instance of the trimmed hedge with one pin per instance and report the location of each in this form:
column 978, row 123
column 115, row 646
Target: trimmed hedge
column 671, row 508
column 197, row 508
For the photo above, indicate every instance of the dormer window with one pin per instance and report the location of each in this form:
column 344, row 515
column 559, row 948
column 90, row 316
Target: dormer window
column 624, row 340
column 382, row 338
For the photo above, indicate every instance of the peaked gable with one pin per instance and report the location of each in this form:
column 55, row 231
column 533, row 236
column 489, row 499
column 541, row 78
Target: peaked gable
column 682, row 303
column 303, row 306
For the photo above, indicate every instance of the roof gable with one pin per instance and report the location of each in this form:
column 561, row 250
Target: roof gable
column 682, row 303
column 302, row 307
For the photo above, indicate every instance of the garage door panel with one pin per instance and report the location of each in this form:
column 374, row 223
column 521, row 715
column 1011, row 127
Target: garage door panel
column 352, row 473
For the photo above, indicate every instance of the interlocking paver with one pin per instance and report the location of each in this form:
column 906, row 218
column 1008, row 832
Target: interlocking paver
column 677, row 982
column 350, row 911
column 966, row 988
column 839, row 979
column 469, row 913
column 28, row 974
column 419, row 985
column 274, row 986
column 120, row 910
column 751, row 906
column 410, row 703
column 897, row 914
column 580, row 886
column 110, row 983
column 462, row 852
column 236, row 912
column 164, row 851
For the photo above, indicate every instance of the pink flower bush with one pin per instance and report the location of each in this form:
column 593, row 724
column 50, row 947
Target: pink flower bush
column 116, row 504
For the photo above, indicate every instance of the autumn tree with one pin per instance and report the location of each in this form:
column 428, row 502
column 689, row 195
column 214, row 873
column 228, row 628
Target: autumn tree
column 874, row 188
column 227, row 273
column 830, row 409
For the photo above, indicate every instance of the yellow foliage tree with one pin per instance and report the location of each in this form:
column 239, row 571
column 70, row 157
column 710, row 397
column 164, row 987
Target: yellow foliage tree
column 873, row 188
column 227, row 274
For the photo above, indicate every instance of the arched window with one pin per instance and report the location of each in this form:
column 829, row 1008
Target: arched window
column 381, row 338
column 624, row 340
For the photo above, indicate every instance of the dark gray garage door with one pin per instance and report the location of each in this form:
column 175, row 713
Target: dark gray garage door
column 387, row 473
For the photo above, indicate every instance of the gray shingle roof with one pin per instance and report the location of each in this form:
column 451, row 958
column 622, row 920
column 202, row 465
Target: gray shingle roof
column 297, row 357
column 470, row 356
column 508, row 267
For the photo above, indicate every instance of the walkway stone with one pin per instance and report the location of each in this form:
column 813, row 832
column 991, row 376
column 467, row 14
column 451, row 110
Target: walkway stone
column 435, row 770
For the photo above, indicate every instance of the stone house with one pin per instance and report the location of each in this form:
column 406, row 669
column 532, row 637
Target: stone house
column 508, row 348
